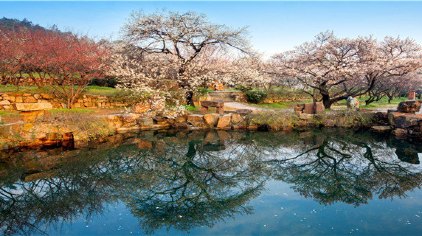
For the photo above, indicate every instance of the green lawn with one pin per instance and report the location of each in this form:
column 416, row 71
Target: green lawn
column 8, row 113
column 21, row 89
column 191, row 108
column 73, row 110
column 280, row 105
column 91, row 90
column 98, row 90
column 380, row 103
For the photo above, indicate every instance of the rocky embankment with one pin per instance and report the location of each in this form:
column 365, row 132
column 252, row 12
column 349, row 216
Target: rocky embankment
column 404, row 122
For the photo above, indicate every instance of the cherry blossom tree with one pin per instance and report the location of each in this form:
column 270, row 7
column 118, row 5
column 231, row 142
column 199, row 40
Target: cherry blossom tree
column 180, row 39
column 10, row 56
column 63, row 62
column 393, row 86
column 332, row 69
column 77, row 61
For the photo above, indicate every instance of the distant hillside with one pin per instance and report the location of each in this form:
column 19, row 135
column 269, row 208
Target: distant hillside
column 16, row 24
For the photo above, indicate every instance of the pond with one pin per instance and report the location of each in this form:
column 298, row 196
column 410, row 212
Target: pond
column 320, row 182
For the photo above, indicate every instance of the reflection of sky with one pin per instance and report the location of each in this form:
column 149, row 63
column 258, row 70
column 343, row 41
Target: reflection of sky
column 278, row 210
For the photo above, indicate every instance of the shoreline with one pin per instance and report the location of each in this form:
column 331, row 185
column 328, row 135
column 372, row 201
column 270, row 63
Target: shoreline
column 78, row 131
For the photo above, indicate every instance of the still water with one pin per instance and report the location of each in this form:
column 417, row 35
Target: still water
column 321, row 182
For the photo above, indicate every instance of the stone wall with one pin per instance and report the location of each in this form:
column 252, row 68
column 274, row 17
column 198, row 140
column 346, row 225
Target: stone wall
column 44, row 101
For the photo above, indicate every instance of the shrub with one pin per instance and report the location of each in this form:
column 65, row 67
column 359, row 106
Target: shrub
column 129, row 97
column 242, row 88
column 203, row 91
column 255, row 96
column 274, row 120
column 104, row 82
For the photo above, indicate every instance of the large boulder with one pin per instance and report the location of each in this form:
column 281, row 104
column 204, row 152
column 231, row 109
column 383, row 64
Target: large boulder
column 196, row 121
column 141, row 107
column 381, row 128
column 298, row 109
column 352, row 103
column 129, row 119
column 409, row 107
column 33, row 106
column 224, row 122
column 180, row 122
column 29, row 99
column 319, row 107
column 4, row 102
column 309, row 108
column 381, row 118
column 211, row 119
column 400, row 133
column 145, row 121
column 404, row 120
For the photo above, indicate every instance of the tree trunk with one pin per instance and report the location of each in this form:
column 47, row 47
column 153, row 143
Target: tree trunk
column 326, row 101
column 369, row 101
column 314, row 101
column 69, row 103
column 189, row 98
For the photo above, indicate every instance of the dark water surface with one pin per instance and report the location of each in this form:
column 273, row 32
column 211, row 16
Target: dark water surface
column 322, row 182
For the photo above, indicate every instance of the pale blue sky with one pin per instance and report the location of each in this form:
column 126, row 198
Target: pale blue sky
column 273, row 26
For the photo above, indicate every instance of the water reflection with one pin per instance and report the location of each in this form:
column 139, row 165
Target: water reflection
column 185, row 180
column 350, row 169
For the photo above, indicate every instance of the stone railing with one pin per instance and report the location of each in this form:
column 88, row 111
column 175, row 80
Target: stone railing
column 44, row 101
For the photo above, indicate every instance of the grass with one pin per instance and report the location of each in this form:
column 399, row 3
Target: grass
column 191, row 108
column 8, row 116
column 289, row 104
column 381, row 103
column 21, row 89
column 277, row 120
column 280, row 105
column 73, row 111
column 9, row 113
column 98, row 90
column 90, row 90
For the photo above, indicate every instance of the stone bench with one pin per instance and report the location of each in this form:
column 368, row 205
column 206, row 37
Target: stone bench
column 219, row 105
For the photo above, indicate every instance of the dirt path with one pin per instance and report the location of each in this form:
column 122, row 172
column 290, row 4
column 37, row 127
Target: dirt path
column 233, row 106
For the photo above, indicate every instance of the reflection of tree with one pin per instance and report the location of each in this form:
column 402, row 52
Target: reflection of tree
column 350, row 168
column 194, row 187
column 164, row 186
column 185, row 180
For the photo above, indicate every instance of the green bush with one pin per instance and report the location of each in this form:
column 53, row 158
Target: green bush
column 190, row 108
column 255, row 96
column 129, row 97
column 203, row 91
column 242, row 88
